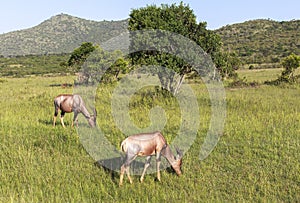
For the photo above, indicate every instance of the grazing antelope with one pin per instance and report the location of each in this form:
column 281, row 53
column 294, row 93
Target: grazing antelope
column 68, row 103
column 148, row 144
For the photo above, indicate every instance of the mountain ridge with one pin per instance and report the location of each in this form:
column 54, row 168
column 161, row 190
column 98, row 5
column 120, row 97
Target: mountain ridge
column 58, row 34
column 254, row 41
column 261, row 40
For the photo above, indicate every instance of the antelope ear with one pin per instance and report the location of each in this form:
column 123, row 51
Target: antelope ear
column 179, row 153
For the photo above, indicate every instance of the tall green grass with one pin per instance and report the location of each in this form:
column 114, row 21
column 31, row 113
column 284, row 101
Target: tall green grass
column 256, row 159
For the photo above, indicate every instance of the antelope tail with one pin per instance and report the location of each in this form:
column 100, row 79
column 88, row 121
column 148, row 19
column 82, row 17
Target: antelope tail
column 123, row 146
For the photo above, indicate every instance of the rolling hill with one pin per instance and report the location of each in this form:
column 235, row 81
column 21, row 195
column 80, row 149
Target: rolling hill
column 262, row 41
column 255, row 41
column 59, row 34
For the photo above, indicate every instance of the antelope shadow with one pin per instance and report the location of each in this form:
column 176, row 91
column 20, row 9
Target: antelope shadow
column 63, row 85
column 112, row 166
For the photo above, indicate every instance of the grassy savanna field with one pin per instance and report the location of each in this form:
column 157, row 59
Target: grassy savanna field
column 256, row 159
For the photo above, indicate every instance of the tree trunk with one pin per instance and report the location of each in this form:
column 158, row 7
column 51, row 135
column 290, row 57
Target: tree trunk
column 179, row 84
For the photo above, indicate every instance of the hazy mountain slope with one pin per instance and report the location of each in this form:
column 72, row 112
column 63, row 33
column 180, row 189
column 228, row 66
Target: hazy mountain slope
column 59, row 34
column 256, row 41
column 262, row 41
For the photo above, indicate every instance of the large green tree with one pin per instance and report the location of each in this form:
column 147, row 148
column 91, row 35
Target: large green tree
column 178, row 19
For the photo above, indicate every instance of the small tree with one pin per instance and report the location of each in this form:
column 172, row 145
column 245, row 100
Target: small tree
column 80, row 54
column 102, row 66
column 290, row 64
column 119, row 66
column 227, row 64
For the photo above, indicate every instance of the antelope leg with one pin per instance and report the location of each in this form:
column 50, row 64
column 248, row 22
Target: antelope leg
column 158, row 158
column 147, row 164
column 122, row 175
column 125, row 167
column 62, row 114
column 54, row 120
column 128, row 174
column 75, row 119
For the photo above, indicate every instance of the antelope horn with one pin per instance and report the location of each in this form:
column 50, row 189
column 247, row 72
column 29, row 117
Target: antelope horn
column 179, row 153
column 95, row 112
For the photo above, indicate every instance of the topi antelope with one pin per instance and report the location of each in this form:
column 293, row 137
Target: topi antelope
column 68, row 103
column 148, row 144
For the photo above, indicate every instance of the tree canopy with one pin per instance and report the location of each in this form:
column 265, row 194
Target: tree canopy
column 290, row 64
column 101, row 66
column 80, row 54
column 178, row 19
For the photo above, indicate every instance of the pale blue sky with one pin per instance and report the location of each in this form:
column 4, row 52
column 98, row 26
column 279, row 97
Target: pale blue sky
column 21, row 14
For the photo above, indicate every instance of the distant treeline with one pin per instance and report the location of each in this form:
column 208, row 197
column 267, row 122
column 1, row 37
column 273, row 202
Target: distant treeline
column 20, row 66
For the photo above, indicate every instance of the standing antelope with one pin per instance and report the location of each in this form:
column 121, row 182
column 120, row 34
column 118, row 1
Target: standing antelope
column 68, row 103
column 148, row 144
